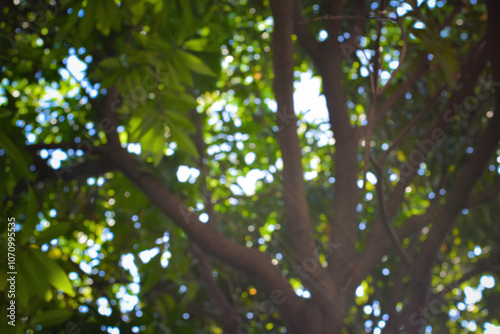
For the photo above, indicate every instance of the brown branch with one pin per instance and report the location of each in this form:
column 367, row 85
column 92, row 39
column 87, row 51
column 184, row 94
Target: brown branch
column 229, row 313
column 105, row 108
column 81, row 171
column 409, row 169
column 479, row 46
column 248, row 260
column 351, row 43
column 306, row 39
column 403, row 88
column 466, row 179
column 334, row 25
column 484, row 195
column 296, row 207
column 385, row 221
column 85, row 146
column 483, row 265
column 374, row 79
column 419, row 71
column 93, row 165
column 413, row 122
column 401, row 59
column 471, row 172
column 328, row 60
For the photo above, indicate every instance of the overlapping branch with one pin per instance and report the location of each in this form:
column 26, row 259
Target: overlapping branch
column 466, row 180
column 385, row 221
column 250, row 261
column 296, row 207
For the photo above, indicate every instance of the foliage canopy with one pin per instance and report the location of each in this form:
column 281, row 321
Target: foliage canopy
column 165, row 178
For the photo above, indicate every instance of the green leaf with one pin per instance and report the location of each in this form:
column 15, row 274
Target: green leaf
column 186, row 29
column 442, row 50
column 4, row 112
column 137, row 10
column 53, row 232
column 87, row 23
column 157, row 44
column 172, row 75
column 180, row 120
column 55, row 275
column 183, row 100
column 65, row 30
column 31, row 217
column 183, row 140
column 195, row 64
column 16, row 155
column 183, row 73
column 51, row 318
column 22, row 289
column 143, row 128
column 28, row 266
column 153, row 142
column 112, row 63
column 197, row 44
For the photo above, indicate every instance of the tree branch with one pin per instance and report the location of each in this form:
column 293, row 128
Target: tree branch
column 413, row 122
column 383, row 217
column 344, row 225
column 334, row 25
column 91, row 167
column 464, row 184
column 484, row 195
column 304, row 36
column 409, row 169
column 85, row 146
column 82, row 171
column 489, row 263
column 403, row 88
column 466, row 180
column 296, row 207
column 248, row 260
column 401, row 59
column 229, row 313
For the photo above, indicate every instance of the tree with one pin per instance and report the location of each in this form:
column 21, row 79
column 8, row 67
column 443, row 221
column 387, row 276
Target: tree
column 162, row 179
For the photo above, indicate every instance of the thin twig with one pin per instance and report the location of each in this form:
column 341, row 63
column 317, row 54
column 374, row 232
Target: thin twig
column 414, row 121
column 383, row 216
column 342, row 17
column 374, row 78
